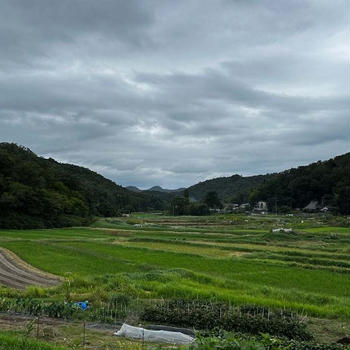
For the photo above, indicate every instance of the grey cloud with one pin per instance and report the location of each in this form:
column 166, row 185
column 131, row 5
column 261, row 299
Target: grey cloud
column 38, row 28
column 171, row 93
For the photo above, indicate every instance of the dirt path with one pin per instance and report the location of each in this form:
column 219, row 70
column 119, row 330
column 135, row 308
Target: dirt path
column 16, row 273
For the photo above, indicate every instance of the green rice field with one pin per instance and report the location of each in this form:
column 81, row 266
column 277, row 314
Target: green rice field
column 235, row 259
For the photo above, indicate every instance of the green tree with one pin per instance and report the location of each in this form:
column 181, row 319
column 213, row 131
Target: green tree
column 187, row 195
column 178, row 205
column 212, row 200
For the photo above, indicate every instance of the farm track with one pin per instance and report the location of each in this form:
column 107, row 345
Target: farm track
column 16, row 273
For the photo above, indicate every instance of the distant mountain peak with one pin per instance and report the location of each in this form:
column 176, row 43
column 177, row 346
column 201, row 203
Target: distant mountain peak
column 156, row 188
column 161, row 189
column 133, row 189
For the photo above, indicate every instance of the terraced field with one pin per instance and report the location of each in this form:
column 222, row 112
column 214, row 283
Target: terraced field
column 306, row 270
column 233, row 259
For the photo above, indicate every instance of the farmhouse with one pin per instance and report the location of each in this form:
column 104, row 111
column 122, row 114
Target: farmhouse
column 313, row 206
column 229, row 208
column 260, row 208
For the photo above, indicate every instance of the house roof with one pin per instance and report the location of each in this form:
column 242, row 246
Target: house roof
column 313, row 205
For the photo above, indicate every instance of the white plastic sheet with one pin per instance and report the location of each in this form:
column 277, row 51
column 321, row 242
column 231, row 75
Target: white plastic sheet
column 287, row 230
column 154, row 336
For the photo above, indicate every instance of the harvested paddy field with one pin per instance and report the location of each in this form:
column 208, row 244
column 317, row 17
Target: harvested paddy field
column 15, row 273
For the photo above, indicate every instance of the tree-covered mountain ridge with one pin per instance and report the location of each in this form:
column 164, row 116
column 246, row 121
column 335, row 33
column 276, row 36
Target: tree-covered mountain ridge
column 235, row 188
column 40, row 192
column 327, row 182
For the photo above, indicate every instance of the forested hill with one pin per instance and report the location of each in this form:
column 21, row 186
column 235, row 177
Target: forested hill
column 39, row 192
column 327, row 182
column 234, row 188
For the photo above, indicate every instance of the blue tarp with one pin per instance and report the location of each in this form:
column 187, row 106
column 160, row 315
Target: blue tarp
column 82, row 305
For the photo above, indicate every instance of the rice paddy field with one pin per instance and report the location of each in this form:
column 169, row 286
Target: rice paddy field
column 234, row 259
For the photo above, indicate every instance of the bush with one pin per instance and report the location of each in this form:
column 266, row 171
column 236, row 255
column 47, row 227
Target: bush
column 9, row 292
column 118, row 283
column 98, row 295
column 237, row 341
column 207, row 316
column 106, row 313
column 34, row 307
column 35, row 292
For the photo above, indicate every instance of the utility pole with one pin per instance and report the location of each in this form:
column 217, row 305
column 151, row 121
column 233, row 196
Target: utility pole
column 276, row 205
column 37, row 327
column 84, row 335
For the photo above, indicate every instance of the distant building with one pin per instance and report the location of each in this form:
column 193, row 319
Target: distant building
column 260, row 208
column 229, row 208
column 313, row 206
column 328, row 209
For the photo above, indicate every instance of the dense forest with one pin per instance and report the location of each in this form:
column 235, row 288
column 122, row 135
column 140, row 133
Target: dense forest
column 327, row 182
column 39, row 192
column 234, row 188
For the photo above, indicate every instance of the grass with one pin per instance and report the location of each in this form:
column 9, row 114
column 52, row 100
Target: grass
column 18, row 341
column 205, row 251
column 328, row 229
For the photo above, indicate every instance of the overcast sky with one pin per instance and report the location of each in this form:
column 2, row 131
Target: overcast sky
column 173, row 92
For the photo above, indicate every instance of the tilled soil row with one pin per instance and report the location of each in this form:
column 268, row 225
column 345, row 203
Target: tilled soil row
column 16, row 273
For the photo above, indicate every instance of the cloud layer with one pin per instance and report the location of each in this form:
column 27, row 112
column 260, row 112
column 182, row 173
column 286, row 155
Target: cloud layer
column 172, row 92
